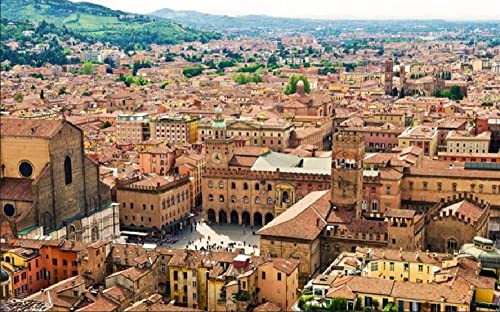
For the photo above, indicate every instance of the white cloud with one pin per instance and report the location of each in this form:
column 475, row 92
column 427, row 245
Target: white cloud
column 343, row 9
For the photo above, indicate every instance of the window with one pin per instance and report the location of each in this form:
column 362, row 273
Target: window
column 233, row 199
column 184, row 275
column 269, row 187
column 388, row 190
column 472, row 188
column 68, row 174
column 210, row 197
column 391, row 266
column 131, row 205
column 245, row 200
column 245, row 186
column 233, row 185
column 176, row 276
column 406, row 266
column 263, row 275
column 74, row 263
column 452, row 244
column 374, row 206
column 54, row 261
column 194, row 296
column 221, row 198
column 221, row 184
column 450, row 309
column 26, row 169
column 363, row 205
column 9, row 210
column 481, row 188
column 439, row 186
column 257, row 200
column 279, row 276
column 309, row 187
column 269, row 201
column 210, row 184
column 410, row 185
column 374, row 266
column 454, row 187
column 257, row 186
column 424, row 186
column 65, row 262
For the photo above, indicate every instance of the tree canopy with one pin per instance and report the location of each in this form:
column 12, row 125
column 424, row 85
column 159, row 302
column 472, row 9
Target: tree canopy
column 291, row 87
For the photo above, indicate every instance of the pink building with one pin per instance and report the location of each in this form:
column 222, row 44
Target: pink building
column 159, row 160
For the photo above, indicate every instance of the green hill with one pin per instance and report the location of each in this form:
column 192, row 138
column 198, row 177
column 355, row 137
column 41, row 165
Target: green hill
column 102, row 23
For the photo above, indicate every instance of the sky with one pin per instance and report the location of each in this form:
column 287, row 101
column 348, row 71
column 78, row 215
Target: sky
column 328, row 9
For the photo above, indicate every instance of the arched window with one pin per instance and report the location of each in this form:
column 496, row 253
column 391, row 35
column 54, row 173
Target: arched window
column 269, row 187
column 233, row 199
column 257, row 200
column 245, row 186
column 363, row 205
column 269, row 201
column 221, row 198
column 374, row 205
column 245, row 199
column 233, row 185
column 451, row 244
column 257, row 186
column 210, row 197
column 210, row 184
column 68, row 174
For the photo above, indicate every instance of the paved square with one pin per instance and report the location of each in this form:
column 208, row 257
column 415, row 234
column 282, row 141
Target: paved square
column 218, row 237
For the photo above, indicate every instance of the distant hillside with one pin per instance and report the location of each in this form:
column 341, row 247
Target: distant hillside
column 102, row 23
column 262, row 25
column 249, row 25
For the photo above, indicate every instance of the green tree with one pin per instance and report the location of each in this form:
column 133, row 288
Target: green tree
column 291, row 87
column 456, row 93
column 338, row 304
column 190, row 72
column 18, row 97
column 87, row 69
column 163, row 84
column 106, row 124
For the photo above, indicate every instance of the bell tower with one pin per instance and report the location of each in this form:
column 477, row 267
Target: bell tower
column 347, row 173
column 219, row 147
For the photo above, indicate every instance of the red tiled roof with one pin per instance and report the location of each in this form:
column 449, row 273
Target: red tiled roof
column 35, row 128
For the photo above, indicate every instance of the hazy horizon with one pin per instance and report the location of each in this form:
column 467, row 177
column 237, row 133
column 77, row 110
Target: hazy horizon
column 455, row 10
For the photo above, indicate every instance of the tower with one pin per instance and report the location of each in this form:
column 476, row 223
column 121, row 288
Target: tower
column 347, row 173
column 402, row 76
column 388, row 73
column 219, row 147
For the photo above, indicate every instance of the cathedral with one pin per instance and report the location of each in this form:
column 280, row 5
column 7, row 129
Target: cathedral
column 49, row 187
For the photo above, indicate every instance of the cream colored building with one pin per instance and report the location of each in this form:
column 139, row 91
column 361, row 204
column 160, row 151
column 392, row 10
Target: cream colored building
column 462, row 142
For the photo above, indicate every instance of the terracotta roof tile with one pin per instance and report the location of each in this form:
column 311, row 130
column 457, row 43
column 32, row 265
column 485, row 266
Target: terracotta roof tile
column 36, row 128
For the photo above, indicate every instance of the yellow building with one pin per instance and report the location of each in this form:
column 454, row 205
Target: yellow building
column 420, row 136
column 175, row 129
column 406, row 266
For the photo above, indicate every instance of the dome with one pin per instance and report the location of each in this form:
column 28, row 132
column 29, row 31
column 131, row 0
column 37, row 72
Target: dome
column 3, row 276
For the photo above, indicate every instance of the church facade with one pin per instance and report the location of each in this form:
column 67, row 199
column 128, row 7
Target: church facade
column 48, row 186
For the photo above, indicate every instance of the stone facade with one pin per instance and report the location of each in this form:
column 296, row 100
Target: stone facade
column 54, row 184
